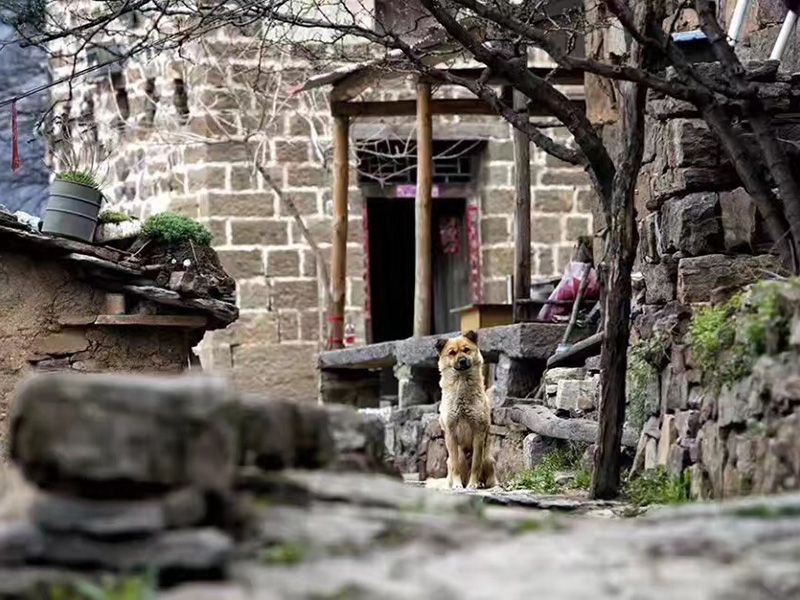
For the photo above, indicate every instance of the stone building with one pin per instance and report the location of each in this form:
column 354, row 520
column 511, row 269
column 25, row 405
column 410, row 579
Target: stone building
column 217, row 134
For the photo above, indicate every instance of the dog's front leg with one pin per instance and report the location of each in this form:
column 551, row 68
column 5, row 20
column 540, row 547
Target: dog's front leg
column 453, row 474
column 478, row 449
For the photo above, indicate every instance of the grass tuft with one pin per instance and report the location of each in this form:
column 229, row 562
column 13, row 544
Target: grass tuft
column 172, row 229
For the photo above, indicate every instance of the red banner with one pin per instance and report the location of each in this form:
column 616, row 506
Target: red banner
column 473, row 235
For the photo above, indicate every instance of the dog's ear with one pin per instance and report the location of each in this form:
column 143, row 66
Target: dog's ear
column 440, row 344
column 471, row 336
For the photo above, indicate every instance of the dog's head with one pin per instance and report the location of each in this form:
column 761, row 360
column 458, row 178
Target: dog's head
column 461, row 353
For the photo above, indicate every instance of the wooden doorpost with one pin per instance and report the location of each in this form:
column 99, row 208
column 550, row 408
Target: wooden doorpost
column 423, row 210
column 339, row 250
column 522, row 216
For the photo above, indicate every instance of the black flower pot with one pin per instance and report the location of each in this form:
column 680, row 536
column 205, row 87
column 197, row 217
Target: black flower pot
column 72, row 210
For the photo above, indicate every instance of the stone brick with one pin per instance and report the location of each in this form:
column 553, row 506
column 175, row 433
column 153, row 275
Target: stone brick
column 205, row 178
column 221, row 204
column 64, row 342
column 309, row 264
column 291, row 372
column 253, row 295
column 699, row 276
column 577, row 396
column 289, row 325
column 243, row 179
column 495, row 292
column 689, row 143
column 546, row 229
column 494, row 230
column 250, row 328
column 241, row 264
column 305, row 202
column 498, row 262
column 206, row 125
column 226, row 152
column 585, row 200
column 306, row 176
column 297, row 294
column 563, row 257
column 739, row 221
column 555, row 200
column 309, row 325
column 660, row 280
column 544, row 261
column 261, row 231
column 500, row 150
column 498, row 202
column 576, row 177
column 577, row 227
column 283, row 263
column 217, row 227
column 320, row 228
column 291, row 151
column 499, row 175
column 356, row 293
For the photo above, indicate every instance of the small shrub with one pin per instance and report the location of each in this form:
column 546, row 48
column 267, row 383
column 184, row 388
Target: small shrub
column 646, row 356
column 283, row 554
column 658, row 487
column 114, row 216
column 79, row 177
column 175, row 229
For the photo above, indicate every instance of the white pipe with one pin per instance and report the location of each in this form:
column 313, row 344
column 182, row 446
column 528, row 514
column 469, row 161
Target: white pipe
column 737, row 21
column 783, row 37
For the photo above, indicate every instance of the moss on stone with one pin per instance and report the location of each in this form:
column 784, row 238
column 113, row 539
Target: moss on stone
column 646, row 356
column 174, row 229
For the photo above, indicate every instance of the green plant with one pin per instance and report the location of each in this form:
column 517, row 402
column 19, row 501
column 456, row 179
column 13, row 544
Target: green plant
column 658, row 487
column 542, row 478
column 175, row 229
column 646, row 356
column 283, row 554
column 79, row 177
column 139, row 587
column 114, row 216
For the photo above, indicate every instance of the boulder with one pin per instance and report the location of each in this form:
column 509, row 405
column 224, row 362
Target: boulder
column 739, row 221
column 123, row 436
column 535, row 448
column 691, row 225
column 578, row 396
column 660, row 280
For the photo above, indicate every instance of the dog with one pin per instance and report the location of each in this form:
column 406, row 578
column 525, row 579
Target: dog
column 465, row 412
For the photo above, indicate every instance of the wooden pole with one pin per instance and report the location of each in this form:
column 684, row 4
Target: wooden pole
column 339, row 250
column 522, row 216
column 423, row 210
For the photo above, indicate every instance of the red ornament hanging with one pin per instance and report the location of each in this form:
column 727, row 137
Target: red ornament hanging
column 16, row 161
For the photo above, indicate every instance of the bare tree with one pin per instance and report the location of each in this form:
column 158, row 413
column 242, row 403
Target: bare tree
column 736, row 107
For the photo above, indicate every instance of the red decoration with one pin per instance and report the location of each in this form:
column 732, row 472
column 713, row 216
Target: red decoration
column 16, row 161
column 474, row 252
column 450, row 235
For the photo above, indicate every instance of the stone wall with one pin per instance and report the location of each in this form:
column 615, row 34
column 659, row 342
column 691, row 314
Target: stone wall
column 39, row 299
column 176, row 130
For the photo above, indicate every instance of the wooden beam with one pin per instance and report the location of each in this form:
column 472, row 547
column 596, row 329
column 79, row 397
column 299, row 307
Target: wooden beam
column 405, row 108
column 522, row 215
column 341, row 125
column 423, row 210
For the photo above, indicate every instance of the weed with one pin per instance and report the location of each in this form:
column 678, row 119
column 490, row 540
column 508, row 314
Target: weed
column 646, row 356
column 287, row 553
column 139, row 587
column 542, row 478
column 114, row 216
column 175, row 229
column 79, row 177
column 658, row 487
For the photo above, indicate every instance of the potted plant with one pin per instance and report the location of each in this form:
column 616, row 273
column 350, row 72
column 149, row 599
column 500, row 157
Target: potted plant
column 75, row 196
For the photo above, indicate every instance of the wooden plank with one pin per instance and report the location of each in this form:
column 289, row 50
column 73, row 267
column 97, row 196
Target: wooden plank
column 423, row 213
column 100, row 264
column 578, row 352
column 522, row 214
column 543, row 421
column 185, row 321
column 59, row 245
column 223, row 312
column 339, row 249
column 407, row 108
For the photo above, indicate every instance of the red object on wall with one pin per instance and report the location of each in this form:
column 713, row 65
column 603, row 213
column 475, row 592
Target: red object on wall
column 365, row 224
column 450, row 235
column 16, row 161
column 473, row 238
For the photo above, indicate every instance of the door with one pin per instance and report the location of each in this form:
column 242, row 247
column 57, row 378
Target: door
column 450, row 263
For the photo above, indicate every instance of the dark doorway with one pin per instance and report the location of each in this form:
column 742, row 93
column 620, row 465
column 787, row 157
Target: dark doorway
column 391, row 265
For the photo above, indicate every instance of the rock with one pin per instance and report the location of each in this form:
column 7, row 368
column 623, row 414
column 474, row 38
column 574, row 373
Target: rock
column 358, row 441
column 553, row 376
column 514, row 378
column 738, row 220
column 543, row 421
column 732, row 403
column 668, row 438
column 674, row 390
column 593, row 362
column 535, row 448
column 123, row 436
column 278, row 435
column 712, row 454
column 677, row 459
column 435, row 463
column 691, row 225
column 687, row 422
column 69, row 341
column 699, row 276
column 578, row 396
column 660, row 280
column 650, row 454
column 689, row 143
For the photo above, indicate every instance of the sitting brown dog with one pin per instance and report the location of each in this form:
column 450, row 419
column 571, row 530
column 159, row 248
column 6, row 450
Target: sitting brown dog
column 465, row 412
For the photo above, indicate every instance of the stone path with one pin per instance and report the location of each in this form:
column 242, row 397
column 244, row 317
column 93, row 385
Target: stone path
column 367, row 537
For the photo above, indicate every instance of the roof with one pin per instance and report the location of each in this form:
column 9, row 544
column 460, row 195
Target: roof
column 113, row 270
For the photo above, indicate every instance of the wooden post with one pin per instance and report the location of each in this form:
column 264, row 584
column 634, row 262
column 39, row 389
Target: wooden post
column 522, row 216
column 423, row 210
column 339, row 249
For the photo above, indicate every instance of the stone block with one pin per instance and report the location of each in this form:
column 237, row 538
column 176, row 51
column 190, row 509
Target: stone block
column 660, row 280
column 299, row 294
column 514, row 378
column 668, row 438
column 691, row 225
column 68, row 341
column 732, row 403
column 497, row 261
column 241, row 264
column 553, row 200
column 677, row 459
column 546, row 229
column 122, row 436
column 739, row 220
column 265, row 232
column 674, row 390
column 699, row 276
column 689, row 143
column 578, row 396
column 687, row 422
column 224, row 204
column 498, row 202
column 650, row 454
column 283, row 263
column 535, row 448
column 287, row 369
column 683, row 181
column 494, row 230
column 576, row 227
column 291, row 151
